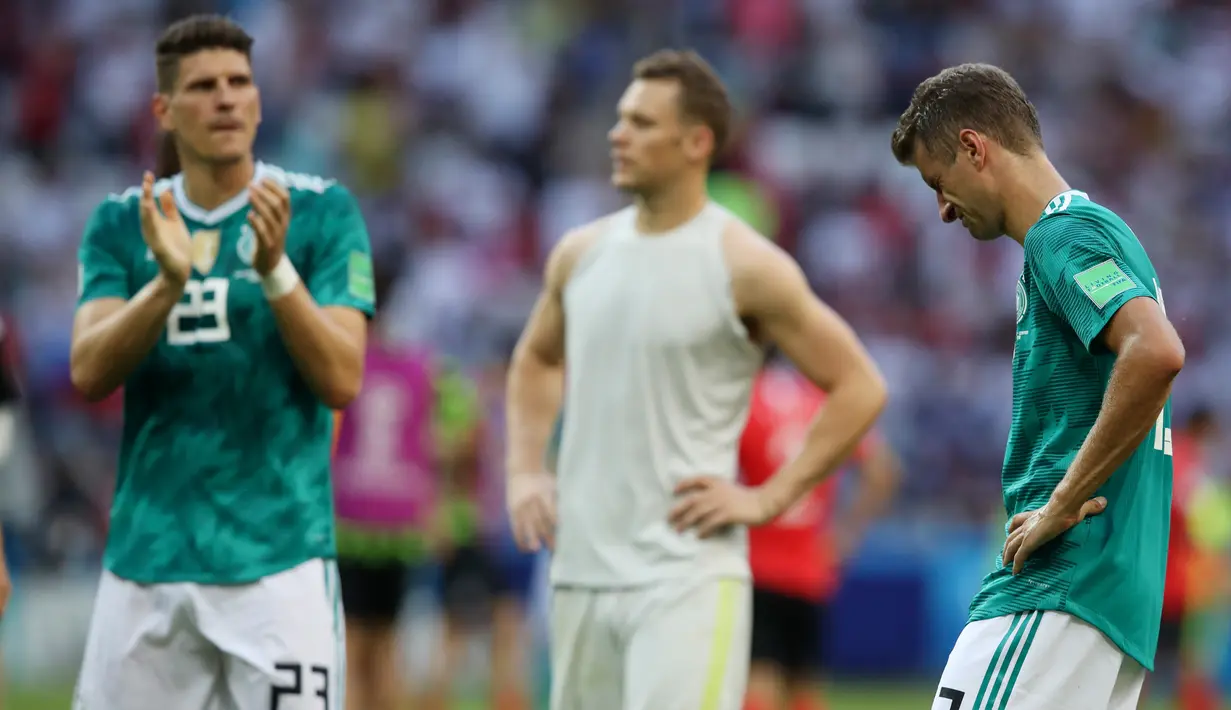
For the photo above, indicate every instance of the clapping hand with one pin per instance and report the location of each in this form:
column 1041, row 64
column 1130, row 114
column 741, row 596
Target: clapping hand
column 165, row 233
column 269, row 216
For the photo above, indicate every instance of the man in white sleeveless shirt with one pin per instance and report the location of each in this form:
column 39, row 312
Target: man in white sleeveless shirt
column 658, row 315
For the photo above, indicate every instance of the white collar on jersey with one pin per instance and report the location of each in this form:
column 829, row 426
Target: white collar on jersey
column 219, row 213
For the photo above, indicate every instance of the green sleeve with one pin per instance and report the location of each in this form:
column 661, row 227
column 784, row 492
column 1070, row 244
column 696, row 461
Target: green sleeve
column 1081, row 273
column 341, row 269
column 101, row 269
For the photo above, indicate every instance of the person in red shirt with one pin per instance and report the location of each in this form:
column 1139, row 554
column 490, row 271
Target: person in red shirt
column 796, row 559
column 1174, row 662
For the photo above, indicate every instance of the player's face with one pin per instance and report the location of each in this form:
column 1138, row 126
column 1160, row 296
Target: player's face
column 963, row 189
column 214, row 108
column 651, row 144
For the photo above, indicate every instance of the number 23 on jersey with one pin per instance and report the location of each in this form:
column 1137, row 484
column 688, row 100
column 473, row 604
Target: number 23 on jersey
column 201, row 315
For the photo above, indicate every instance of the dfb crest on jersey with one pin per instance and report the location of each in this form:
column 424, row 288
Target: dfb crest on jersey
column 205, row 250
column 1021, row 298
column 246, row 247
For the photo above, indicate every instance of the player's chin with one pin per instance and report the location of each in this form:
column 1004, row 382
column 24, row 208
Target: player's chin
column 623, row 180
column 229, row 154
column 230, row 145
column 983, row 233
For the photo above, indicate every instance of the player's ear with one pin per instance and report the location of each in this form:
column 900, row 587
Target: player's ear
column 699, row 141
column 160, row 106
column 971, row 146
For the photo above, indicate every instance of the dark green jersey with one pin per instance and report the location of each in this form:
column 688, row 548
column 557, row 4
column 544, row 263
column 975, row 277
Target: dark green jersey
column 1082, row 264
column 224, row 462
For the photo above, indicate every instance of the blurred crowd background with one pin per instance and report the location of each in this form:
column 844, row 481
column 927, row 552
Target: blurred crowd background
column 473, row 132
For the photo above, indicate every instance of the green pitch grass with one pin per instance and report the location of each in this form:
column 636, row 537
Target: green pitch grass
column 841, row 697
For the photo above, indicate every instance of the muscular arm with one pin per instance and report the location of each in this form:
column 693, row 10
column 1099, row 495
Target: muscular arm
column 536, row 373
column 1149, row 355
column 771, row 290
column 327, row 344
column 322, row 319
column 111, row 336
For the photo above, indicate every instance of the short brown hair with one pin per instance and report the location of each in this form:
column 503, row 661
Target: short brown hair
column 981, row 97
column 703, row 98
column 195, row 34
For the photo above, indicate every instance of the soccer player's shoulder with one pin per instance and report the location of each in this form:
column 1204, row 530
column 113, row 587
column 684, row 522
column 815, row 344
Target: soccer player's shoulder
column 118, row 214
column 307, row 191
column 754, row 260
column 579, row 242
column 1073, row 217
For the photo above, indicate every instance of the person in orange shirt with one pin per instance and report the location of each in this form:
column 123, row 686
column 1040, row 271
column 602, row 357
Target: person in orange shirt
column 796, row 559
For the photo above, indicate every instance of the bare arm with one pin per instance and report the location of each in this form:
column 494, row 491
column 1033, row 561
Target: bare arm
column 112, row 336
column 771, row 289
column 535, row 389
column 536, row 373
column 1149, row 355
column 327, row 344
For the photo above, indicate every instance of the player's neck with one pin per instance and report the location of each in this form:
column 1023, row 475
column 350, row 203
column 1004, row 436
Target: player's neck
column 1033, row 184
column 210, row 186
column 667, row 209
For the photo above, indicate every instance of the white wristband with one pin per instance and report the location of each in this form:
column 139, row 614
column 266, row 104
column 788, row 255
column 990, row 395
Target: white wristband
column 281, row 281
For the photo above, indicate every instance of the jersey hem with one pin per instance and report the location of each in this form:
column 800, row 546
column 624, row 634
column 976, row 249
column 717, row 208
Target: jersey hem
column 363, row 307
column 248, row 577
column 102, row 293
column 1080, row 612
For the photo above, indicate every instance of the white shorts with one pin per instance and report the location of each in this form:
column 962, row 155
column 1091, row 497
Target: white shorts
column 1040, row 660
column 671, row 646
column 276, row 644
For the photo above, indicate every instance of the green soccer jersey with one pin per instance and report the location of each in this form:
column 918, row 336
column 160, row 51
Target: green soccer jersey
column 1082, row 264
column 224, row 462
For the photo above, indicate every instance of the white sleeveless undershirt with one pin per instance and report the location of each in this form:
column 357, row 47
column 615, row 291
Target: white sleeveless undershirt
column 659, row 370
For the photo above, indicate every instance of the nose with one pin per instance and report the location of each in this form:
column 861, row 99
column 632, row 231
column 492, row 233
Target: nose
column 225, row 97
column 616, row 135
